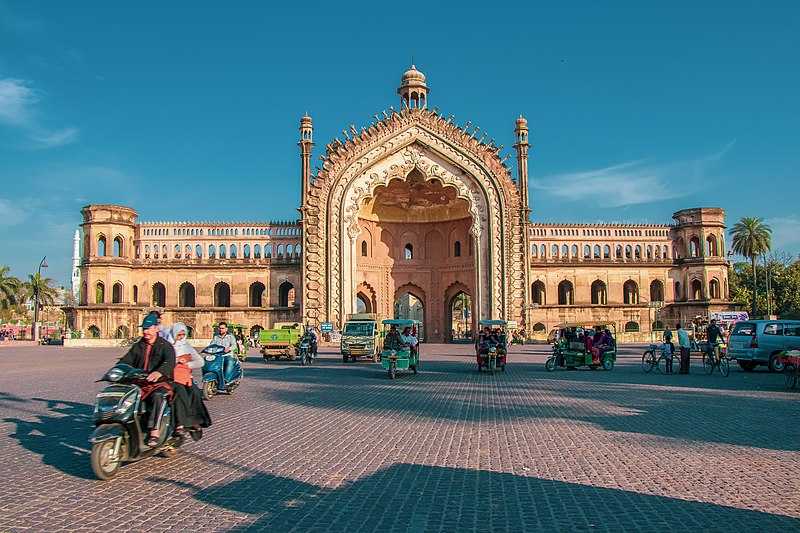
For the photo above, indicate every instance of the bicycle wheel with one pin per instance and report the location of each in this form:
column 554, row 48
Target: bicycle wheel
column 648, row 361
column 662, row 364
column 708, row 363
column 724, row 367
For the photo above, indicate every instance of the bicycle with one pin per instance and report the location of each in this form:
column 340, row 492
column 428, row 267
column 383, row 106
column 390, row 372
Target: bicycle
column 650, row 361
column 716, row 358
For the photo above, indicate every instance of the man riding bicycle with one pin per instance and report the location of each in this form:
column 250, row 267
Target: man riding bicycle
column 714, row 339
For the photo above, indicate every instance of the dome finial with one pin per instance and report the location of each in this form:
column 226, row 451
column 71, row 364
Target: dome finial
column 413, row 91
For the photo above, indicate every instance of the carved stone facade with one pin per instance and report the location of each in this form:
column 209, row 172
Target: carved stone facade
column 410, row 213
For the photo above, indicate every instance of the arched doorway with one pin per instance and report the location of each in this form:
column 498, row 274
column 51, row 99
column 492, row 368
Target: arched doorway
column 460, row 318
column 363, row 305
column 410, row 307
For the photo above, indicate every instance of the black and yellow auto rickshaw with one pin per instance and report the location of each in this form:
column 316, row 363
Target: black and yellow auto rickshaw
column 583, row 344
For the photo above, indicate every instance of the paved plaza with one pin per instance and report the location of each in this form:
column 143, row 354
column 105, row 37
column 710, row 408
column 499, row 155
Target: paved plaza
column 339, row 447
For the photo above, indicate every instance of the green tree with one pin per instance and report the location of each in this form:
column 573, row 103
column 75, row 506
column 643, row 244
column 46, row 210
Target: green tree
column 9, row 288
column 44, row 286
column 751, row 237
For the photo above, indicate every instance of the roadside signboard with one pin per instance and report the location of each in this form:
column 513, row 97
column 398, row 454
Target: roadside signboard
column 326, row 327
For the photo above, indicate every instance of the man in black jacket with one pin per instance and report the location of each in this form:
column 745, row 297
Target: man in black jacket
column 157, row 357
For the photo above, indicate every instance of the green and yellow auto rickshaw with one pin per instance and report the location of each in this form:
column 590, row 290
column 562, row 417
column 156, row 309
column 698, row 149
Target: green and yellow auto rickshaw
column 398, row 355
column 491, row 345
column 583, row 344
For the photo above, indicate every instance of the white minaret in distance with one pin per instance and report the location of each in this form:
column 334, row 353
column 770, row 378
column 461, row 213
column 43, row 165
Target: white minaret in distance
column 76, row 261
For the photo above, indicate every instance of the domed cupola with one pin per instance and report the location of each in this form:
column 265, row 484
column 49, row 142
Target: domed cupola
column 413, row 91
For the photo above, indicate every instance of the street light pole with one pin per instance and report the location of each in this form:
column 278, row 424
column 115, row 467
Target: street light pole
column 42, row 264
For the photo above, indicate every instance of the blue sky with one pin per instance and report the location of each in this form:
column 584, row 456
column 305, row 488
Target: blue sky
column 191, row 111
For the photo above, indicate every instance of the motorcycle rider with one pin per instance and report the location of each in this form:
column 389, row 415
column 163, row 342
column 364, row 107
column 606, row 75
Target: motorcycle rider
column 225, row 339
column 156, row 356
column 312, row 339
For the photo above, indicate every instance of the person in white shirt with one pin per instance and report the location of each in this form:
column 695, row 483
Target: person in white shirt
column 409, row 339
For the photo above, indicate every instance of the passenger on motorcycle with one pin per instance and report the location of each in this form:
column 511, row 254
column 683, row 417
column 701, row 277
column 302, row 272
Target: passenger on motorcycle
column 190, row 411
column 156, row 356
column 312, row 339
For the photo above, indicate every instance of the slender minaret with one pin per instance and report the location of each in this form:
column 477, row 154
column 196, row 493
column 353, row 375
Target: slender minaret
column 306, row 144
column 76, row 262
column 521, row 145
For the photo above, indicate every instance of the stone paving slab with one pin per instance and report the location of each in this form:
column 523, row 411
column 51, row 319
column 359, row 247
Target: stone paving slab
column 340, row 447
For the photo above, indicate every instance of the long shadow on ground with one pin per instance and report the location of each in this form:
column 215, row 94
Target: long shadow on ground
column 408, row 497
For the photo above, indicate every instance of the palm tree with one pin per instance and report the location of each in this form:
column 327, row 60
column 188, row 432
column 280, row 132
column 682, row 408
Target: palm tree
column 9, row 288
column 751, row 238
column 44, row 286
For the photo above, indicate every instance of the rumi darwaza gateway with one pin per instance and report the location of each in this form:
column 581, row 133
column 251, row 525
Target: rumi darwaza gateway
column 412, row 216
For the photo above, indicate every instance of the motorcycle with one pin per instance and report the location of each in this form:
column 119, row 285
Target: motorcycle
column 304, row 351
column 120, row 425
column 221, row 372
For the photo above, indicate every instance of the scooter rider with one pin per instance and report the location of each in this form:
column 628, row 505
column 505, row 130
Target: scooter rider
column 312, row 339
column 157, row 357
column 225, row 339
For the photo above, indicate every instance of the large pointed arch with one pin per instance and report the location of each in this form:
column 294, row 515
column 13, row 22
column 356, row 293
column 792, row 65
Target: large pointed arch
column 391, row 148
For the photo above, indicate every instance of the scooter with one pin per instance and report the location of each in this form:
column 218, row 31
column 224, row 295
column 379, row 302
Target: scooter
column 221, row 372
column 119, row 417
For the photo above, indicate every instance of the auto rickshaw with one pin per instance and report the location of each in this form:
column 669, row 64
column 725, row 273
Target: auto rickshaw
column 491, row 345
column 570, row 347
column 395, row 354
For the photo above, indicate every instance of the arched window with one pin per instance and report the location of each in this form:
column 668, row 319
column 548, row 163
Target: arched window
column 408, row 252
column 187, row 251
column 256, row 294
column 658, row 326
column 587, row 251
column 177, row 251
column 198, row 251
column 298, row 249
column 539, row 328
column 599, row 293
column 574, row 251
column 649, row 252
column 135, row 294
column 678, row 294
column 564, row 251
column 121, row 333
column 606, row 252
column 631, row 327
column 212, row 251
column 280, row 251
column 628, row 251
column 554, row 250
column 257, row 251
column 117, row 248
column 658, row 252
column 618, row 252
column 159, row 295
column 286, row 295
column 694, row 247
column 711, row 246
column 630, row 292
column 713, row 289
column 164, row 251
column 268, row 251
column 101, row 246
column 223, row 251
column 566, row 294
column 222, row 295
column 697, row 290
column 542, row 249
column 538, row 292
column 94, row 332
column 147, row 251
column 186, row 295
column 289, row 250
column 246, row 251
column 99, row 293
column 233, row 251
column 656, row 291
column 457, row 249
column 116, row 293
column 597, row 251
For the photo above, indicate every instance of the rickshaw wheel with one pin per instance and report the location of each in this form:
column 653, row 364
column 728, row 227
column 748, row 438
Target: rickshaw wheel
column 608, row 363
column 550, row 364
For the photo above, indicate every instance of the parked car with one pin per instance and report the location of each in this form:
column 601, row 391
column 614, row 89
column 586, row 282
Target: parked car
column 760, row 342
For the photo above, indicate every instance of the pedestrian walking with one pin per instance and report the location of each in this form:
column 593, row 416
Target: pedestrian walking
column 684, row 343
